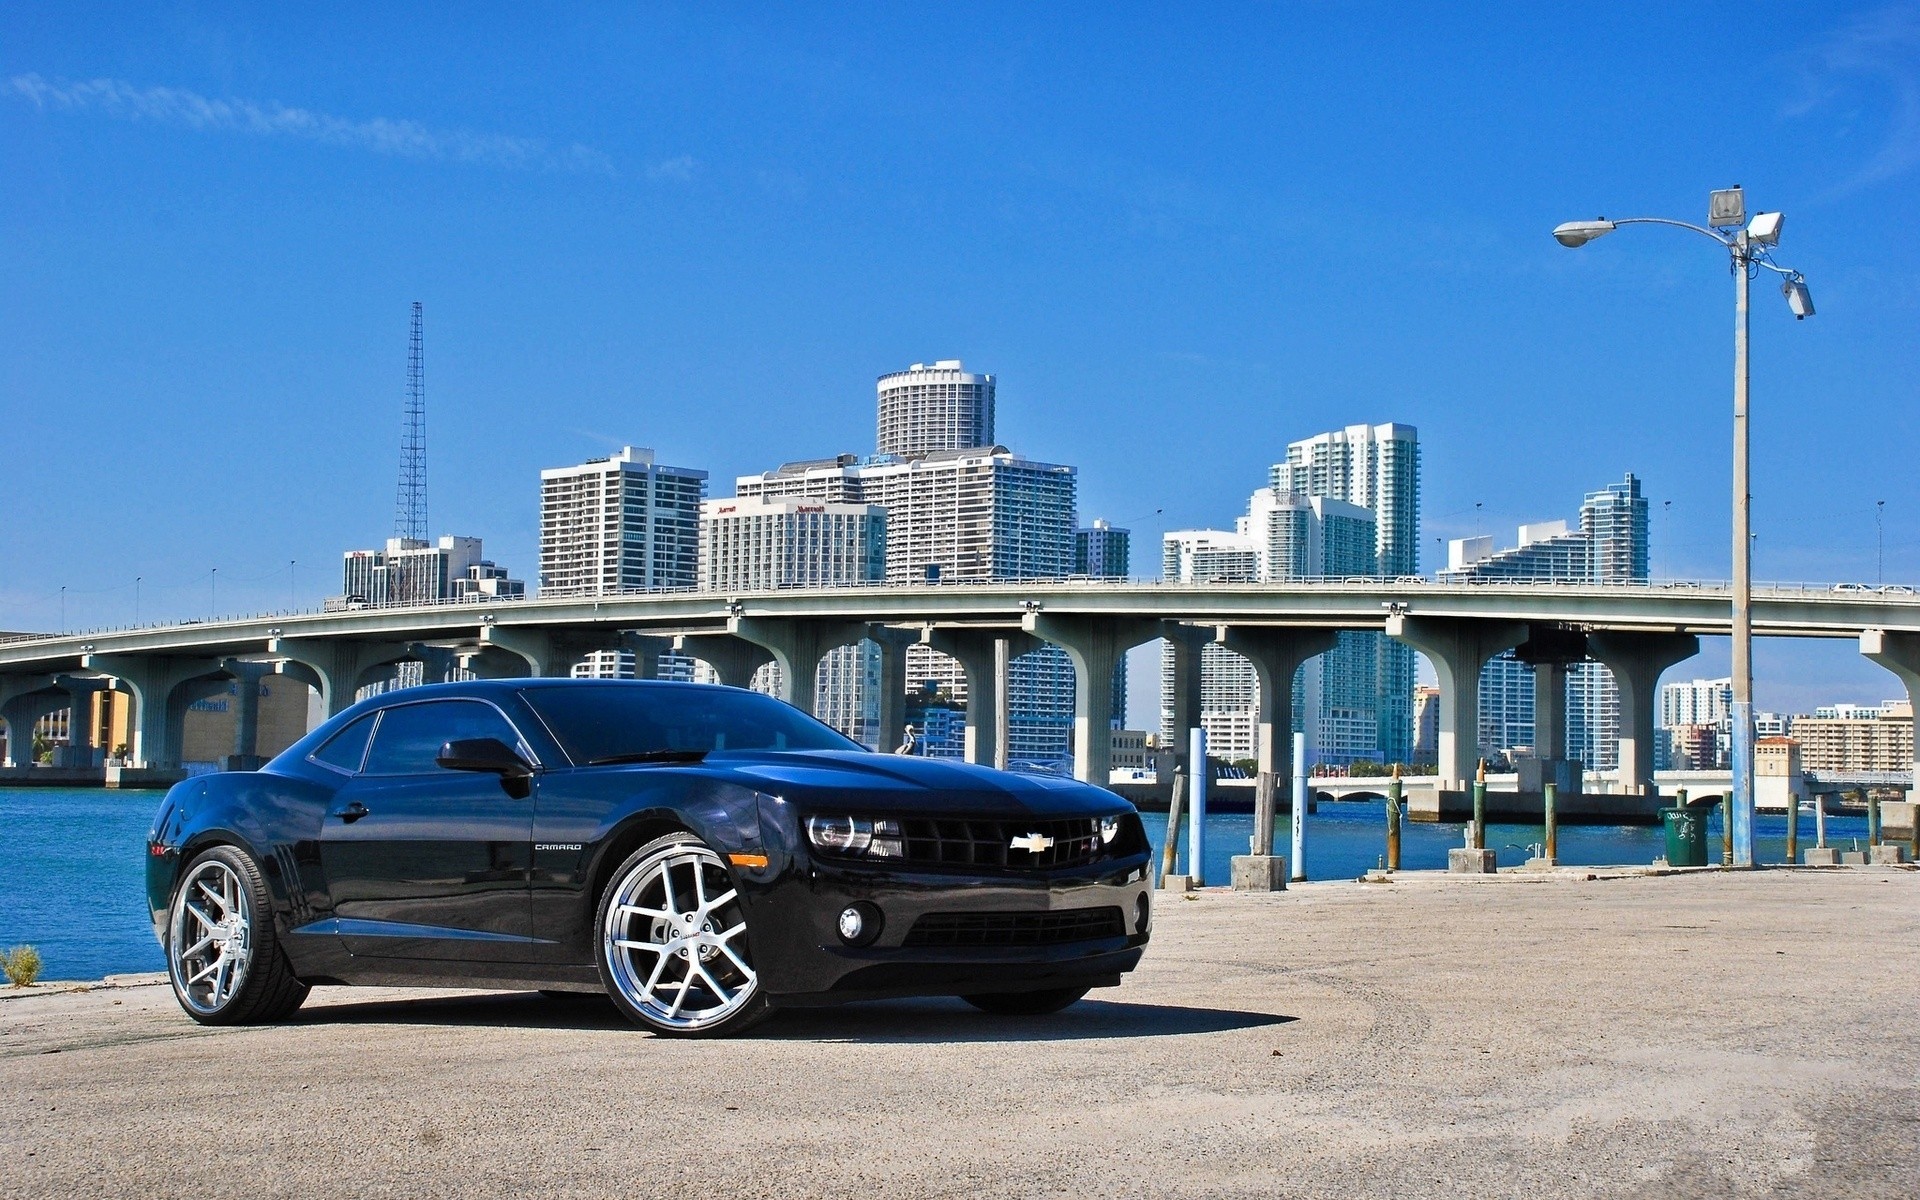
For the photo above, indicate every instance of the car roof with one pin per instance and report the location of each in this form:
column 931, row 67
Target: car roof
column 496, row 687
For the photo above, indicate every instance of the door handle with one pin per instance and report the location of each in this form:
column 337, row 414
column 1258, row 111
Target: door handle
column 351, row 812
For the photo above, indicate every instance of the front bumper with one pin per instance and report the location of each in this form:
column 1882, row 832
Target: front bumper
column 803, row 960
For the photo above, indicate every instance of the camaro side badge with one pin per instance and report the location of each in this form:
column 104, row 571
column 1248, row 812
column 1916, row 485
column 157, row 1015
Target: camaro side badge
column 1033, row 842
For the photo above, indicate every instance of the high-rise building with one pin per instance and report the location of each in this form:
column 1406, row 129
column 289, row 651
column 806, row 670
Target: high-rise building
column 1695, row 702
column 926, row 409
column 750, row 544
column 416, row 571
column 617, row 524
column 1101, row 552
column 1284, row 536
column 1376, row 467
column 1610, row 546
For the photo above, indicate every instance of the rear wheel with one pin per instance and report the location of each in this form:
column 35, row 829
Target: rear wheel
column 673, row 942
column 1026, row 1004
column 223, row 956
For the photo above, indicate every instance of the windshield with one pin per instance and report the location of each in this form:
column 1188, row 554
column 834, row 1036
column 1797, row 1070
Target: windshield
column 611, row 720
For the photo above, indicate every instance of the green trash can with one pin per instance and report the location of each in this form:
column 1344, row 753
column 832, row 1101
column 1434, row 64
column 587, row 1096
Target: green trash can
column 1686, row 837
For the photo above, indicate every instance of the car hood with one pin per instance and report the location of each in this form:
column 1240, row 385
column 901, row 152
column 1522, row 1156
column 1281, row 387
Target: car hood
column 856, row 782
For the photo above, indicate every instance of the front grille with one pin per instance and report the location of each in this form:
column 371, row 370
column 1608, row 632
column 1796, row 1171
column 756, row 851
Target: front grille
column 977, row 843
column 1016, row 929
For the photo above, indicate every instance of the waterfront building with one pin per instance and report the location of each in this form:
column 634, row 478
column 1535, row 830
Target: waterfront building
column 926, row 409
column 1376, row 467
column 1695, row 702
column 1609, row 546
column 1856, row 737
column 416, row 571
column 622, row 523
column 1283, row 536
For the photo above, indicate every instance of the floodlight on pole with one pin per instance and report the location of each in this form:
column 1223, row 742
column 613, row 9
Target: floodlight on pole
column 1747, row 245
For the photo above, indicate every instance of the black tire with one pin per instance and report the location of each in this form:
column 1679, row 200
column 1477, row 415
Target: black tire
column 266, row 989
column 1026, row 1004
column 712, row 950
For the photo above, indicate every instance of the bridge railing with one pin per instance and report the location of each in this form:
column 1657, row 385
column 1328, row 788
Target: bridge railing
column 1770, row 590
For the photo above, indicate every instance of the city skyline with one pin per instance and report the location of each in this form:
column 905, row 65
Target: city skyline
column 1215, row 256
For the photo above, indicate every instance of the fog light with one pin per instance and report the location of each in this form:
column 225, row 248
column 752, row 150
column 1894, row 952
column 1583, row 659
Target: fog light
column 859, row 924
column 1142, row 917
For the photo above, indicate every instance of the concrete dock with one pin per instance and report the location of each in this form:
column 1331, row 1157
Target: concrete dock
column 1566, row 1033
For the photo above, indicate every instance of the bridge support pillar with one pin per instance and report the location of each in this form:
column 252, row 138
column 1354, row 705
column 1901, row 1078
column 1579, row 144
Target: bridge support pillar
column 334, row 667
column 1096, row 645
column 986, row 659
column 80, row 689
column 1636, row 661
column 798, row 646
column 733, row 659
column 549, row 653
column 893, row 645
column 1186, row 644
column 24, row 699
column 246, row 713
column 1900, row 653
column 1276, row 654
column 646, row 651
column 1458, row 648
column 159, row 699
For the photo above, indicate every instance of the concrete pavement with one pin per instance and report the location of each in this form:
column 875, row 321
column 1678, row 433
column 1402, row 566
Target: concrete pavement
column 1705, row 1034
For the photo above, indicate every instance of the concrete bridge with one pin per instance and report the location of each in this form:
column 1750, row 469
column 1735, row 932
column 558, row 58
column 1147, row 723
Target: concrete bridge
column 1636, row 630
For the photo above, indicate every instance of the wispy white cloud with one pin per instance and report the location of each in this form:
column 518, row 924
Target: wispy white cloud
column 673, row 170
column 124, row 101
column 1880, row 48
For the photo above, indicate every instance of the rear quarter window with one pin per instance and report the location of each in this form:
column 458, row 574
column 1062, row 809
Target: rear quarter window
column 346, row 750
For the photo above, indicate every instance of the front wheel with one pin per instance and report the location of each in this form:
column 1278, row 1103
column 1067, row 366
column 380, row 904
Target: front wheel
column 673, row 942
column 223, row 956
column 1026, row 1004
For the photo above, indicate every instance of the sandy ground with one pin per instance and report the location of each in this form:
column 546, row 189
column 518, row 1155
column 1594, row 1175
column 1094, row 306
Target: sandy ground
column 1694, row 1035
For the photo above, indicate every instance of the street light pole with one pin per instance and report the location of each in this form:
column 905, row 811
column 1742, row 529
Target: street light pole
column 1747, row 244
column 1740, row 812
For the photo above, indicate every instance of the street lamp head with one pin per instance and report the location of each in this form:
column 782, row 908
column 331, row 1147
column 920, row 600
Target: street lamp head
column 1579, row 233
column 1799, row 299
column 1764, row 229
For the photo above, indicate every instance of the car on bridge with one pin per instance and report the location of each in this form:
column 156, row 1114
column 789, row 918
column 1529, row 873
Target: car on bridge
column 703, row 854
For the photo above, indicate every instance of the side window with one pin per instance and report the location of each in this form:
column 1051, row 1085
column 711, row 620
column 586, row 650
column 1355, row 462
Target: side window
column 410, row 735
column 345, row 749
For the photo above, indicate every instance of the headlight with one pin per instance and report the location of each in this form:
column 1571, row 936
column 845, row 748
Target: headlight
column 1109, row 829
column 843, row 835
column 856, row 836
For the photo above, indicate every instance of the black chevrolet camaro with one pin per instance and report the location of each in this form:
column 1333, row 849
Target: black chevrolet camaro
column 704, row 854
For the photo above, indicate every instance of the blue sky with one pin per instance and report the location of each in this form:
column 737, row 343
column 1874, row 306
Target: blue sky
column 1180, row 240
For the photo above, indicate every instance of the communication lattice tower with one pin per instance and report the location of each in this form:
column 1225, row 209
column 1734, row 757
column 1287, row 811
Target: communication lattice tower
column 410, row 508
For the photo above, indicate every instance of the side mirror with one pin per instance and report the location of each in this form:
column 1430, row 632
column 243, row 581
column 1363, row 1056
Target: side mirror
column 483, row 754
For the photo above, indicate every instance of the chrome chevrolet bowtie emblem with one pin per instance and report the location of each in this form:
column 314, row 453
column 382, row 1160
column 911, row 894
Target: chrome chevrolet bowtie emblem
column 1031, row 842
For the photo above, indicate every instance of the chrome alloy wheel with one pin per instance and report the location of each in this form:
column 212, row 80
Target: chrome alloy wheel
column 674, row 939
column 210, row 943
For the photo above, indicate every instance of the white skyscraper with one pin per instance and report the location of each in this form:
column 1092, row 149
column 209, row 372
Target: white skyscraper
column 621, row 523
column 1378, row 468
column 926, row 409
